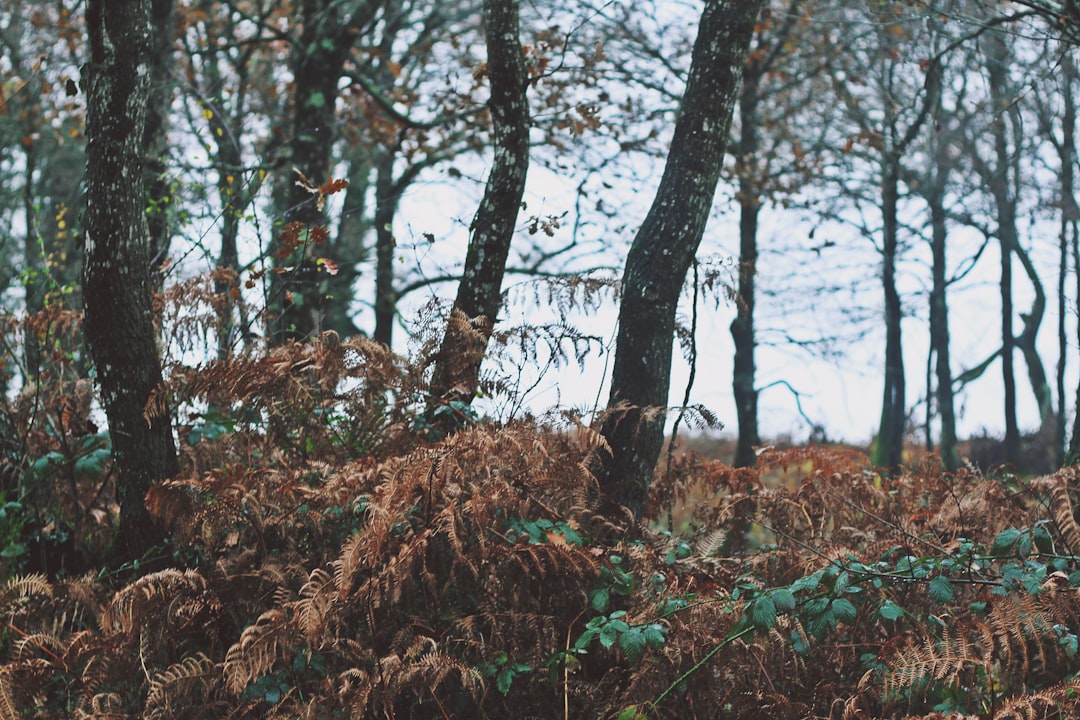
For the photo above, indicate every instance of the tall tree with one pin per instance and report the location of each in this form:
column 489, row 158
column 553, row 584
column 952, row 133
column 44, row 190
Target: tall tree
column 328, row 30
column 479, row 295
column 159, row 190
column 1001, row 177
column 663, row 250
column 887, row 126
column 119, row 323
column 771, row 47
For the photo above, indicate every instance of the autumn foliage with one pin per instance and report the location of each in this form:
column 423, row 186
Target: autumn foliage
column 329, row 556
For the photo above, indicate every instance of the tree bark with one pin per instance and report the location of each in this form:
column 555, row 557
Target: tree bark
column 939, row 313
column 329, row 30
column 996, row 63
column 386, row 202
column 479, row 296
column 742, row 327
column 662, row 251
column 159, row 190
column 119, row 324
column 1070, row 215
column 889, row 449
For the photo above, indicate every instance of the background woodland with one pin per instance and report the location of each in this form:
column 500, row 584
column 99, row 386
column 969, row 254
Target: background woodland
column 267, row 446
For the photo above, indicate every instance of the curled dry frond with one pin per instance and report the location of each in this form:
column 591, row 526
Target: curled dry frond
column 183, row 685
column 160, row 602
column 259, row 647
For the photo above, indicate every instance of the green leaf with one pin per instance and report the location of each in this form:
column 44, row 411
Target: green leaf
column 844, row 610
column 941, row 590
column 93, row 464
column 316, row 100
column 503, row 680
column 1004, row 542
column 890, row 610
column 784, row 599
column 599, row 599
column 14, row 550
column 632, row 644
column 656, row 635
column 763, row 613
column 841, row 584
column 608, row 635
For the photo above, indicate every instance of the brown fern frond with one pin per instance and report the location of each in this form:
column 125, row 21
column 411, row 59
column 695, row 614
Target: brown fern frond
column 1059, row 701
column 315, row 598
column 103, row 706
column 162, row 595
column 19, row 683
column 185, row 684
column 711, row 541
column 1061, row 508
column 941, row 660
column 260, row 646
column 21, row 587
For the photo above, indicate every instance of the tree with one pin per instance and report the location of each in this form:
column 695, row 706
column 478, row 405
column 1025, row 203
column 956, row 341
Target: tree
column 229, row 68
column 479, row 296
column 887, row 126
column 757, row 96
column 119, row 323
column 663, row 250
column 328, row 31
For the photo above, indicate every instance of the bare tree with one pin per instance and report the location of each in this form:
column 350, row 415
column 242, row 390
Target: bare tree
column 479, row 295
column 663, row 250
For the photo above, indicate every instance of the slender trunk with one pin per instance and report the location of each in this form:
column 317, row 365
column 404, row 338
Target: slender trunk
column 296, row 300
column 889, row 450
column 1074, row 440
column 939, row 305
column 996, row 63
column 298, row 296
column 1025, row 342
column 232, row 207
column 742, row 327
column 34, row 282
column 118, row 322
column 662, row 251
column 1070, row 215
column 479, row 298
column 939, row 326
column 159, row 191
column 386, row 201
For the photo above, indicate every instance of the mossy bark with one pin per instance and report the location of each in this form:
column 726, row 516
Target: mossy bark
column 663, row 250
column 119, row 323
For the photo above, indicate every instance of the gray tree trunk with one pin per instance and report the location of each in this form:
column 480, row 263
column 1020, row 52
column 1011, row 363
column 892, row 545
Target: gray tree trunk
column 479, row 296
column 119, row 324
column 663, row 250
column 997, row 74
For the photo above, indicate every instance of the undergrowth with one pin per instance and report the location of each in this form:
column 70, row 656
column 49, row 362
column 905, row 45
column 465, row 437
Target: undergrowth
column 331, row 557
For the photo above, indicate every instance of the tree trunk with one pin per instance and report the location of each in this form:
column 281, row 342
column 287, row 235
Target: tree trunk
column 1025, row 342
column 939, row 305
column 742, row 327
column 329, row 29
column 996, row 63
column 1070, row 215
column 889, row 450
column 1074, row 440
column 159, row 190
column 939, row 318
column 119, row 324
column 479, row 297
column 386, row 201
column 662, row 251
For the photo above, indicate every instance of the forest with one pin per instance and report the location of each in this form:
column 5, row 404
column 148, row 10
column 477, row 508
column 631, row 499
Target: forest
column 282, row 283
